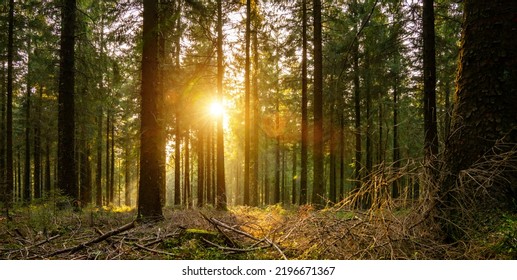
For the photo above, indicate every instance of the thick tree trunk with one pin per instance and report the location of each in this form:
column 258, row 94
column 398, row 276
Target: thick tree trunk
column 151, row 131
column 67, row 173
column 484, row 117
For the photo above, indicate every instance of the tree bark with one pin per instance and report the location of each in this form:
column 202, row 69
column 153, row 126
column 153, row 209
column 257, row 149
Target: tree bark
column 27, row 167
column 247, row 124
column 9, row 174
column 430, row 125
column 67, row 173
column 98, row 173
column 37, row 146
column 221, row 182
column 484, row 121
column 151, row 131
column 304, row 136
column 318, row 190
column 200, row 169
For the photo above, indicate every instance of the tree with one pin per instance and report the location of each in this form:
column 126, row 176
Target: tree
column 221, row 183
column 67, row 174
column 318, row 190
column 484, row 121
column 151, row 127
column 430, row 125
column 304, row 136
column 9, row 177
column 247, row 123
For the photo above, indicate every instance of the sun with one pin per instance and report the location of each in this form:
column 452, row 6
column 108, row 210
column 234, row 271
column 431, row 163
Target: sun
column 216, row 109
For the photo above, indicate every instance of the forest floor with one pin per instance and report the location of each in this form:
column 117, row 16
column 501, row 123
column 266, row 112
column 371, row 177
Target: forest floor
column 43, row 232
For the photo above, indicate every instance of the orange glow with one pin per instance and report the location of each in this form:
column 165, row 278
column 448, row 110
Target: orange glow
column 216, row 109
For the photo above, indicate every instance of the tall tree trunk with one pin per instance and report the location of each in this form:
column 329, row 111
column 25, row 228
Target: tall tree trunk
column 332, row 155
column 177, row 159
column 294, row 178
column 186, row 169
column 395, row 191
column 200, row 169
column 276, row 192
column 152, row 130
column 304, row 136
column 369, row 119
column 318, row 190
column 48, row 167
column 37, row 146
column 67, row 174
column 357, row 117
column 430, row 125
column 27, row 168
column 267, row 191
column 98, row 173
column 221, row 182
column 484, row 119
column 109, row 190
column 247, row 124
column 254, row 195
column 127, row 174
column 367, row 195
column 3, row 185
column 341, row 194
column 85, row 174
column 209, row 165
column 9, row 184
column 112, row 160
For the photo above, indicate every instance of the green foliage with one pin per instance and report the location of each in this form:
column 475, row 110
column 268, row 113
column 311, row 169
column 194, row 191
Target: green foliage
column 507, row 233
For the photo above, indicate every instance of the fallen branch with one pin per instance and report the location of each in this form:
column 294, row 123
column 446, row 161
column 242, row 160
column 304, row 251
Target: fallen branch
column 154, row 251
column 276, row 247
column 44, row 241
column 229, row 241
column 93, row 241
column 214, row 220
column 240, row 250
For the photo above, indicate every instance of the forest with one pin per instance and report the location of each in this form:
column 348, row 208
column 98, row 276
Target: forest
column 258, row 129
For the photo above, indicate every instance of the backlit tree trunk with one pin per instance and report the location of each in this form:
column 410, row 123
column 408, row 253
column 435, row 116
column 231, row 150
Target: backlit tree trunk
column 151, row 130
column 221, row 182
column 318, row 190
column 304, row 136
